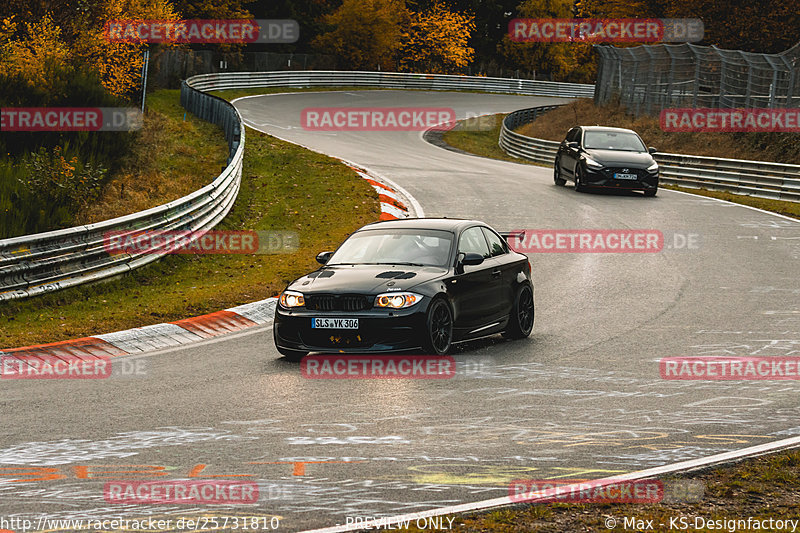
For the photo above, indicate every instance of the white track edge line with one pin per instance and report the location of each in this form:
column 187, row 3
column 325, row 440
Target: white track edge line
column 692, row 464
column 485, row 504
column 736, row 204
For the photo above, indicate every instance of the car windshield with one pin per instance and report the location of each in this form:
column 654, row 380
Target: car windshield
column 613, row 140
column 394, row 247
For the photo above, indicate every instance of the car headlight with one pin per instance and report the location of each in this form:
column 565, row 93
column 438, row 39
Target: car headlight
column 653, row 167
column 291, row 299
column 591, row 163
column 397, row 300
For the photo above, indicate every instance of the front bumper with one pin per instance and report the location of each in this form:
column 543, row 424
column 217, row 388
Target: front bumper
column 379, row 330
column 604, row 178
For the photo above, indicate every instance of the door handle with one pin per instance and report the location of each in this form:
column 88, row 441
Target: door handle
column 495, row 273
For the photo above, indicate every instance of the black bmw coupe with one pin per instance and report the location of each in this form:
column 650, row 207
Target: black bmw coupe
column 407, row 284
column 609, row 158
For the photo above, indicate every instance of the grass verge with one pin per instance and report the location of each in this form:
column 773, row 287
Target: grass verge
column 776, row 146
column 173, row 156
column 284, row 187
column 484, row 144
column 480, row 142
column 762, row 488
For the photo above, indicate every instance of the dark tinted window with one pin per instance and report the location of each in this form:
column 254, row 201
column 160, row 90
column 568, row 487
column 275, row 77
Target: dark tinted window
column 573, row 135
column 386, row 246
column 472, row 241
column 497, row 246
column 613, row 140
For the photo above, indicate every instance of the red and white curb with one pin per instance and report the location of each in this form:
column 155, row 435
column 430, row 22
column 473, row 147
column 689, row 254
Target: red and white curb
column 150, row 338
column 189, row 330
column 392, row 203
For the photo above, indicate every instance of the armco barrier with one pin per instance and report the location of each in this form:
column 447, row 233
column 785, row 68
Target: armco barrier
column 387, row 80
column 763, row 179
column 45, row 262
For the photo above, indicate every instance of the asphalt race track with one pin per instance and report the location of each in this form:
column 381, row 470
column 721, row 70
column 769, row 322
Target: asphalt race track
column 581, row 398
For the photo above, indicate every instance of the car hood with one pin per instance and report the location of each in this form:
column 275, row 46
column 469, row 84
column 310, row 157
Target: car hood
column 619, row 158
column 365, row 279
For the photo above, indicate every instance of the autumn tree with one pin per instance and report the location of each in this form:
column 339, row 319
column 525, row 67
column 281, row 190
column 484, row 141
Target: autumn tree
column 436, row 40
column 36, row 55
column 767, row 26
column 570, row 61
column 365, row 33
column 216, row 9
column 35, row 46
column 119, row 64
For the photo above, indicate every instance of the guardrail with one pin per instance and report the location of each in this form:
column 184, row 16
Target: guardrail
column 388, row 80
column 763, row 179
column 46, row 262
column 36, row 264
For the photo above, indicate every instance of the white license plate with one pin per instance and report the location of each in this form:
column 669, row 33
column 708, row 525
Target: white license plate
column 334, row 323
column 625, row 176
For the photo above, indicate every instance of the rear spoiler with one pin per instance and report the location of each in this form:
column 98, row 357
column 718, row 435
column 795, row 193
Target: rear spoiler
column 516, row 236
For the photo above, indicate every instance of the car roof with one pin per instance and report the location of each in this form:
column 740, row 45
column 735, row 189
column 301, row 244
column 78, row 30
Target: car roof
column 454, row 225
column 605, row 128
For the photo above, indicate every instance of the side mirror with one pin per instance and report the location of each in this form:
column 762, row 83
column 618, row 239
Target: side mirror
column 324, row 257
column 471, row 259
column 651, row 150
column 573, row 144
column 467, row 259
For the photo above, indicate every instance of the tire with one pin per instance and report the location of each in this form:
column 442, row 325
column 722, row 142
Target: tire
column 520, row 321
column 651, row 192
column 579, row 187
column 557, row 175
column 290, row 355
column 438, row 328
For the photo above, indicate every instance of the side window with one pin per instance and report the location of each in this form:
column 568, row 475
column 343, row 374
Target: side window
column 472, row 241
column 497, row 246
column 574, row 135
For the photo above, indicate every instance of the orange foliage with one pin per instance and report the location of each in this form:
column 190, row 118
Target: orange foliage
column 119, row 63
column 35, row 56
column 366, row 33
column 437, row 40
column 44, row 45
